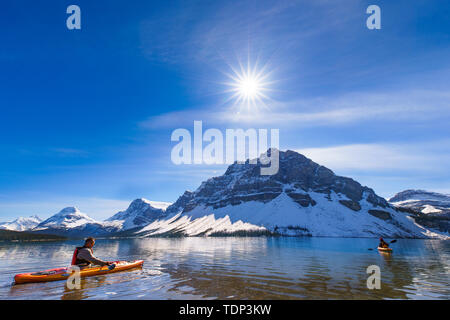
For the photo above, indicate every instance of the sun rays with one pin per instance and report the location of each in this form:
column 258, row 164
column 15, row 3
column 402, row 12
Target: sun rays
column 249, row 86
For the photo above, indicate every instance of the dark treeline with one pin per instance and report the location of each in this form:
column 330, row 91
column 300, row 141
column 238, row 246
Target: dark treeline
column 8, row 235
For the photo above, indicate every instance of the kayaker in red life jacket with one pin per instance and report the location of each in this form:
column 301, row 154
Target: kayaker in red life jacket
column 84, row 256
column 383, row 244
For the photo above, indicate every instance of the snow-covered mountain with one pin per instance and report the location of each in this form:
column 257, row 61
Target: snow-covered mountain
column 21, row 224
column 303, row 198
column 71, row 221
column 70, row 217
column 422, row 201
column 430, row 209
column 140, row 213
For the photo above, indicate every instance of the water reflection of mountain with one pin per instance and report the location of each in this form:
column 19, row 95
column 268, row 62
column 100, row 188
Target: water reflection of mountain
column 306, row 274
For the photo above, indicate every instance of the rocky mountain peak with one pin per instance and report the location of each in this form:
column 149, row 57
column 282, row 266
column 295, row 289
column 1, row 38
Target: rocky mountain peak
column 68, row 217
column 140, row 212
column 69, row 211
column 139, row 204
column 297, row 175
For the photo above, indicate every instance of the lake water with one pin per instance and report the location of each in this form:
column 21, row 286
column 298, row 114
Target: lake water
column 237, row 268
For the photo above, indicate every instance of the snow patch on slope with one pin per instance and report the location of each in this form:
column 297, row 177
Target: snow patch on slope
column 159, row 204
column 430, row 209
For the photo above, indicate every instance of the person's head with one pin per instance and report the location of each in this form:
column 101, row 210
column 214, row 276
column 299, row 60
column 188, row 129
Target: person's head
column 381, row 239
column 89, row 242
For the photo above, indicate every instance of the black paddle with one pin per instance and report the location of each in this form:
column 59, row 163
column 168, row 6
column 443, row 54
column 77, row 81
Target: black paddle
column 393, row 241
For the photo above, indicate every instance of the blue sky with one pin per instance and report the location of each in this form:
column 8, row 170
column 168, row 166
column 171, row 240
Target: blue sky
column 86, row 115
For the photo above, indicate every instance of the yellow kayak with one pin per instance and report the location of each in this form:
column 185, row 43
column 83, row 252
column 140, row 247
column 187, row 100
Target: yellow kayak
column 385, row 249
column 64, row 273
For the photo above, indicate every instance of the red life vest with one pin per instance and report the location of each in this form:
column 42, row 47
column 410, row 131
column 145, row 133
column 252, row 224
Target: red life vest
column 74, row 257
column 76, row 260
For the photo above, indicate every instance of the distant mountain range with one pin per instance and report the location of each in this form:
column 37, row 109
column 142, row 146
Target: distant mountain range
column 72, row 222
column 21, row 224
column 302, row 199
column 429, row 209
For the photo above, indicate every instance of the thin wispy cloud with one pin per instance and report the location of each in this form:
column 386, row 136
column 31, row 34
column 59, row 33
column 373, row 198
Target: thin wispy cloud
column 53, row 151
column 414, row 105
column 69, row 152
column 419, row 157
column 229, row 29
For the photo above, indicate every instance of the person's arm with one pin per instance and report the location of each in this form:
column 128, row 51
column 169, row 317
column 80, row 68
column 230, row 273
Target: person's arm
column 86, row 254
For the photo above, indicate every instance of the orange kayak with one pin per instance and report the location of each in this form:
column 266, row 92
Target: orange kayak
column 64, row 273
column 385, row 249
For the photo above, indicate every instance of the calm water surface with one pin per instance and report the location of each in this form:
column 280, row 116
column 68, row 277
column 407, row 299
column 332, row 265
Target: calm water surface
column 237, row 268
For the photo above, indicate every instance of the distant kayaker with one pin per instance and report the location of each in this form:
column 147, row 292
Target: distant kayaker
column 383, row 244
column 84, row 256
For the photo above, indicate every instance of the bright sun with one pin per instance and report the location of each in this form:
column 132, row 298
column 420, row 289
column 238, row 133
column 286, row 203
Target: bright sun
column 249, row 86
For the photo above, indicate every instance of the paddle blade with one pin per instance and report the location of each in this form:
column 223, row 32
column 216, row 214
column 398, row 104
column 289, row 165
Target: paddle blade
column 394, row 241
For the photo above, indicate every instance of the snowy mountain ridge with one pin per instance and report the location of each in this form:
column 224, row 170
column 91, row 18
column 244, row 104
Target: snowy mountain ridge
column 422, row 201
column 416, row 195
column 21, row 223
column 71, row 222
column 430, row 209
